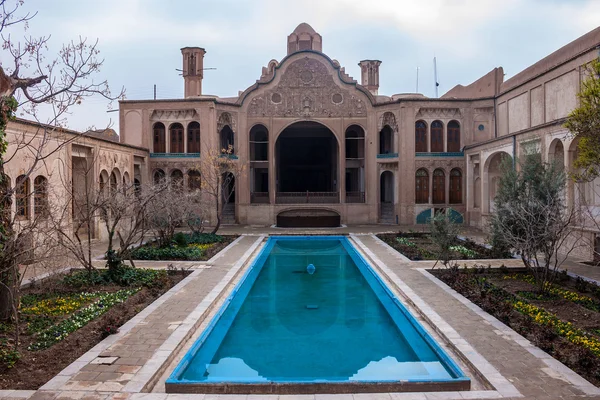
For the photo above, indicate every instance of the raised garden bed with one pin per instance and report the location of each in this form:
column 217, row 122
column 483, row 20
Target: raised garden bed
column 65, row 316
column 565, row 322
column 184, row 247
column 418, row 246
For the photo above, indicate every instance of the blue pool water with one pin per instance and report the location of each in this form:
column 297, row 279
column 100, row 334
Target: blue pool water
column 338, row 324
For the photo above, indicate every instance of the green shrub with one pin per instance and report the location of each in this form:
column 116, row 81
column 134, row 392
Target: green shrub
column 464, row 251
column 8, row 355
column 84, row 278
column 205, row 238
column 406, row 242
column 143, row 277
column 167, row 253
column 181, row 239
column 126, row 276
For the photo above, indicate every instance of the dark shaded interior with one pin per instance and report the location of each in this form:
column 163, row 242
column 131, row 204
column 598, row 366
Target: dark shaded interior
column 306, row 155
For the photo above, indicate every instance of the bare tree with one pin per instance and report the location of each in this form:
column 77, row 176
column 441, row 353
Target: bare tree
column 219, row 169
column 75, row 219
column 31, row 79
column 168, row 211
column 532, row 217
column 444, row 230
column 125, row 210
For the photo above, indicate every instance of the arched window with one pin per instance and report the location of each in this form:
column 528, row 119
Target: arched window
column 453, row 137
column 227, row 139
column 113, row 182
column 40, row 197
column 194, row 180
column 455, row 186
column 386, row 140
column 22, row 192
column 137, row 187
column 176, row 179
column 439, row 187
column 259, row 143
column 421, row 186
column 437, row 137
column 176, row 133
column 420, row 137
column 193, row 137
column 355, row 164
column 355, row 142
column 158, row 132
column 159, row 176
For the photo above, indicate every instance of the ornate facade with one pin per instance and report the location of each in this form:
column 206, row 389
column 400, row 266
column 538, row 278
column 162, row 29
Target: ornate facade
column 391, row 159
column 318, row 143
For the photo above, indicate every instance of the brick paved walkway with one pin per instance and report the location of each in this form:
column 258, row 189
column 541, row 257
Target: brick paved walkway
column 131, row 362
column 529, row 374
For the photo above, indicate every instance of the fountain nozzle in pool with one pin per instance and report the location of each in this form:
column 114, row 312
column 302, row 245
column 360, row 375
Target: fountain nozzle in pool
column 310, row 269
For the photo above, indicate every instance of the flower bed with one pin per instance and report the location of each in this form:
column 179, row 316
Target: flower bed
column 564, row 322
column 65, row 316
column 418, row 246
column 184, row 247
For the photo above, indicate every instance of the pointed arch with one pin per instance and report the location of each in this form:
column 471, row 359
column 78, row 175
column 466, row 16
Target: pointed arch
column 422, row 186
column 193, row 137
column 22, row 193
column 439, row 187
column 40, row 197
column 159, row 143
column 158, row 176
column 437, row 137
column 176, row 135
column 453, row 143
column 455, row 186
column 420, row 136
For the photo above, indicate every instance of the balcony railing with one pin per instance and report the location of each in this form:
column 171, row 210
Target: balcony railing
column 230, row 156
column 307, row 197
column 174, row 155
column 447, row 154
column 259, row 197
column 355, row 197
column 388, row 155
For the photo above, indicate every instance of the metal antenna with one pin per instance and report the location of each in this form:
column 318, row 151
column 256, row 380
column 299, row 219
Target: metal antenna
column 417, row 80
column 180, row 70
column 435, row 77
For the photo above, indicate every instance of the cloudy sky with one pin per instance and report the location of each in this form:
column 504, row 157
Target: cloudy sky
column 140, row 40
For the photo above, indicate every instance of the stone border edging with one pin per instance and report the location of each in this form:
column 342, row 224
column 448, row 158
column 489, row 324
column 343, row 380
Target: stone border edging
column 151, row 371
column 504, row 330
column 63, row 376
column 483, row 367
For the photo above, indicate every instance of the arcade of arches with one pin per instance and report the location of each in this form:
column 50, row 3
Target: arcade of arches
column 312, row 137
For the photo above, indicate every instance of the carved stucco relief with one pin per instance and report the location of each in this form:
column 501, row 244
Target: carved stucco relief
column 387, row 118
column 173, row 115
column 307, row 89
column 439, row 113
column 226, row 118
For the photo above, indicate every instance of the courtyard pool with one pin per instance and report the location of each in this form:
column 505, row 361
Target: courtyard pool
column 311, row 316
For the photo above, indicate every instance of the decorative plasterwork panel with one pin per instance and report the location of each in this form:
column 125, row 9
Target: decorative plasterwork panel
column 307, row 89
column 110, row 160
column 226, row 118
column 388, row 166
column 168, row 166
column 444, row 164
column 387, row 118
column 173, row 115
column 441, row 113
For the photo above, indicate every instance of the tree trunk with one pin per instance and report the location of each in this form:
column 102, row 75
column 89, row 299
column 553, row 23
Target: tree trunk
column 8, row 272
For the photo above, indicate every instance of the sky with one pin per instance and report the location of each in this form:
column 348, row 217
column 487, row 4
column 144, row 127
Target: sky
column 140, row 40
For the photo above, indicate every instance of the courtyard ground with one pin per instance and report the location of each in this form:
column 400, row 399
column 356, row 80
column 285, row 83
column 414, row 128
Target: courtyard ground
column 135, row 362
